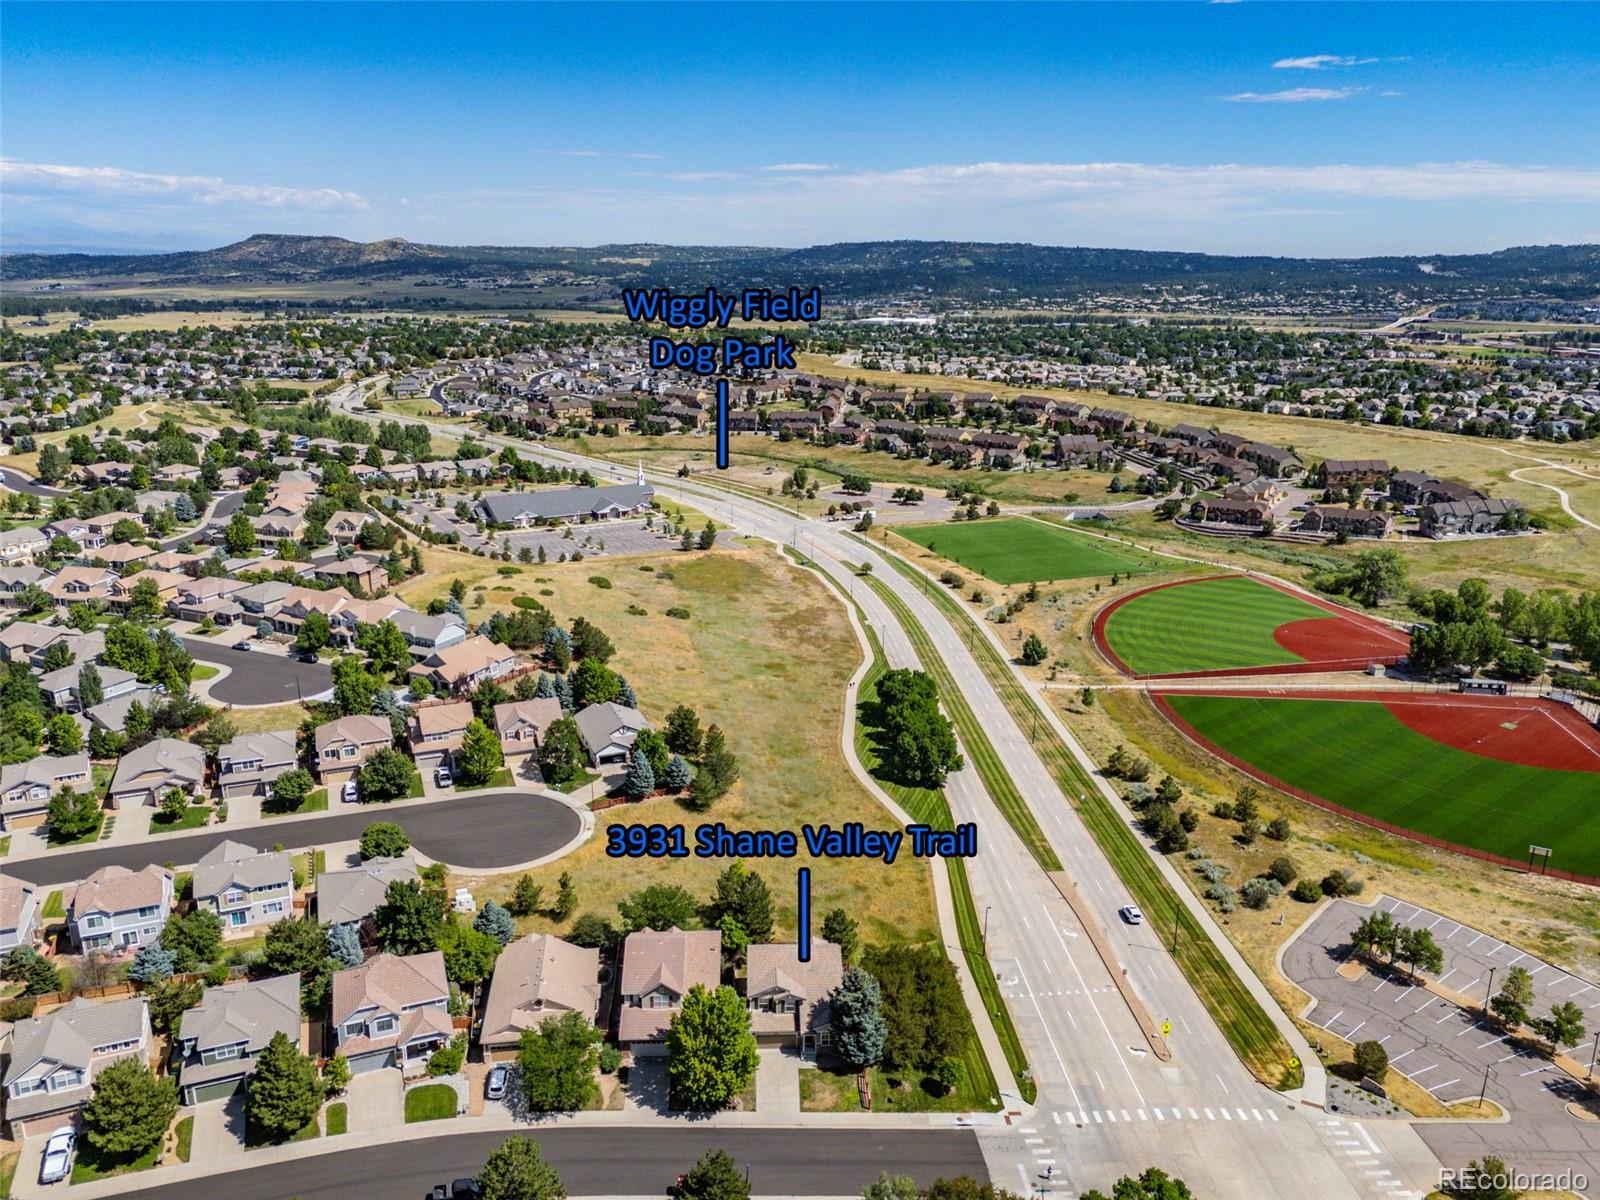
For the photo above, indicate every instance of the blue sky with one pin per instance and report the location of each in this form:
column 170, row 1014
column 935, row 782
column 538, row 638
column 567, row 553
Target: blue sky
column 1303, row 129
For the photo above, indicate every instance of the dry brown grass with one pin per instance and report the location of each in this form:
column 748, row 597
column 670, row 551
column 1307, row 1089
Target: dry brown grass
column 765, row 654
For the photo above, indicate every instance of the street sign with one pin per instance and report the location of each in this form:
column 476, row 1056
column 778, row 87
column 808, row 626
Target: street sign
column 1166, row 1029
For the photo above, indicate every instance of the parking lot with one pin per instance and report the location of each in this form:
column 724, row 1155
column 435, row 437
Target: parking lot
column 1441, row 1047
column 599, row 539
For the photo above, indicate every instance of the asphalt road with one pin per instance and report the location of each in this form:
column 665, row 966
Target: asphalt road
column 258, row 677
column 476, row 831
column 613, row 1161
column 18, row 482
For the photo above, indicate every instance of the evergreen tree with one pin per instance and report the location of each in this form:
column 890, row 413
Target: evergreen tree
column 683, row 732
column 284, row 1092
column 743, row 895
column 566, row 897
column 714, row 1177
column 344, row 945
column 91, row 689
column 677, row 775
column 860, row 1031
column 560, row 756
column 545, row 689
column 152, row 963
column 564, row 694
column 496, row 922
column 640, row 780
column 410, row 920
column 526, row 897
column 658, row 906
column 626, row 695
column 839, row 928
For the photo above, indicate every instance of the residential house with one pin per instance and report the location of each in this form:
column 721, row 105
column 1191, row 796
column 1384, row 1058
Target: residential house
column 343, row 746
column 357, row 571
column 78, row 585
column 426, row 634
column 608, row 731
column 22, row 544
column 344, row 527
column 220, row 1038
column 21, row 640
column 1273, row 460
column 26, row 787
column 1251, row 513
column 568, row 504
column 167, row 584
column 248, row 764
column 55, row 1058
column 19, row 914
column 1080, row 449
column 1415, row 488
column 1342, row 472
column 521, row 723
column 18, row 579
column 118, row 909
column 536, row 978
column 245, row 887
column 789, row 999
column 658, row 969
column 1460, row 518
column 436, row 731
column 392, row 1010
column 350, row 896
column 60, row 688
column 1355, row 522
column 464, row 665
column 144, row 774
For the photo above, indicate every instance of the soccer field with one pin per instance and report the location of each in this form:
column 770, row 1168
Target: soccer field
column 1206, row 625
column 1359, row 755
column 1020, row 550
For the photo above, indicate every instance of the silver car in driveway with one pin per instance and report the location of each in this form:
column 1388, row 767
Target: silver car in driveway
column 494, row 1086
column 57, row 1164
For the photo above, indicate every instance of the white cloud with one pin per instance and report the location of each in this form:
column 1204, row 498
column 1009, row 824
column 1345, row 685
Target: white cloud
column 1318, row 62
column 20, row 177
column 597, row 154
column 1301, row 95
column 801, row 166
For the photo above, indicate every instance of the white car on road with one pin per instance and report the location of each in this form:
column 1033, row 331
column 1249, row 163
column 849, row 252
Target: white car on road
column 1131, row 914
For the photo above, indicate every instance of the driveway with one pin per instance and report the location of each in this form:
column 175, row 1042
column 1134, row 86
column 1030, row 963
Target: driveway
column 377, row 1100
column 647, row 1088
column 218, row 1129
column 477, row 831
column 258, row 678
column 778, row 1083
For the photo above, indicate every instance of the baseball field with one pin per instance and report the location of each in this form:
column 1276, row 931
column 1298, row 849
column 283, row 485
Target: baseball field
column 1489, row 774
column 1236, row 624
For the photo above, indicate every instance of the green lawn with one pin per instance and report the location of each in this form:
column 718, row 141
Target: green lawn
column 54, row 906
column 54, row 840
column 500, row 779
column 337, row 1118
column 87, row 1166
column 581, row 780
column 315, row 801
column 202, row 672
column 193, row 817
column 1205, row 625
column 185, row 1138
column 430, row 1102
column 1359, row 755
column 1021, row 550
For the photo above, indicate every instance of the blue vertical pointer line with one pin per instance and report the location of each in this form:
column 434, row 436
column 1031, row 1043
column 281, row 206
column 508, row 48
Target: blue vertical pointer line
column 803, row 879
column 722, row 430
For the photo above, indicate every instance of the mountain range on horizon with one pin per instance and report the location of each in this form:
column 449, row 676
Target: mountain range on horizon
column 936, row 269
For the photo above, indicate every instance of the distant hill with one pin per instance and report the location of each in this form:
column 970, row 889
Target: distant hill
column 951, row 271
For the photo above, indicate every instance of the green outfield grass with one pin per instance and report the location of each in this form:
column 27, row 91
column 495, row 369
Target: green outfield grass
column 1020, row 550
column 1206, row 625
column 1359, row 755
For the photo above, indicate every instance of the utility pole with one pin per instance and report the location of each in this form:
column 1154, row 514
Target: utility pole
column 1175, row 920
column 1483, row 1091
column 1592, row 1054
column 986, row 909
column 1488, row 991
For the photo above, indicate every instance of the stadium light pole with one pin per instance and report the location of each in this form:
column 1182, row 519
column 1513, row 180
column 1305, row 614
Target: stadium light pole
column 1488, row 991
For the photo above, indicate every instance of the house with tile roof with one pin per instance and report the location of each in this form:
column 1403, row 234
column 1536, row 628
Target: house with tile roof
column 55, row 1058
column 246, row 888
column 392, row 1010
column 535, row 979
column 220, row 1039
column 658, row 969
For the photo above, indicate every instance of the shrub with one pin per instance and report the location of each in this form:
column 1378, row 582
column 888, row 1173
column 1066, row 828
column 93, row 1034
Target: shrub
column 678, row 611
column 1278, row 829
column 447, row 1060
column 1189, row 819
column 1283, row 871
column 1223, row 895
column 1339, row 883
column 528, row 601
column 610, row 1060
column 1256, row 893
column 600, row 581
column 1222, row 809
column 1372, row 1060
column 1213, row 872
column 1307, row 891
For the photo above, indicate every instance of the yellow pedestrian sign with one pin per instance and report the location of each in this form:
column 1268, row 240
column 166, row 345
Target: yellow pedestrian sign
column 1166, row 1029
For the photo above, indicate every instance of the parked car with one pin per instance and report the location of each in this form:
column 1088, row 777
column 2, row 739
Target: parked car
column 443, row 778
column 460, row 1189
column 1131, row 914
column 57, row 1163
column 241, row 646
column 494, row 1087
column 351, row 792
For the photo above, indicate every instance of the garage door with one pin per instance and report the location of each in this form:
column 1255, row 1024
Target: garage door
column 220, row 1089
column 362, row 1063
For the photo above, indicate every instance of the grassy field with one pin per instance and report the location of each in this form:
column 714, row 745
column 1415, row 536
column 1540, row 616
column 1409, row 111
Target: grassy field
column 1243, row 1021
column 1205, row 625
column 123, row 418
column 1359, row 755
column 765, row 655
column 1019, row 550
